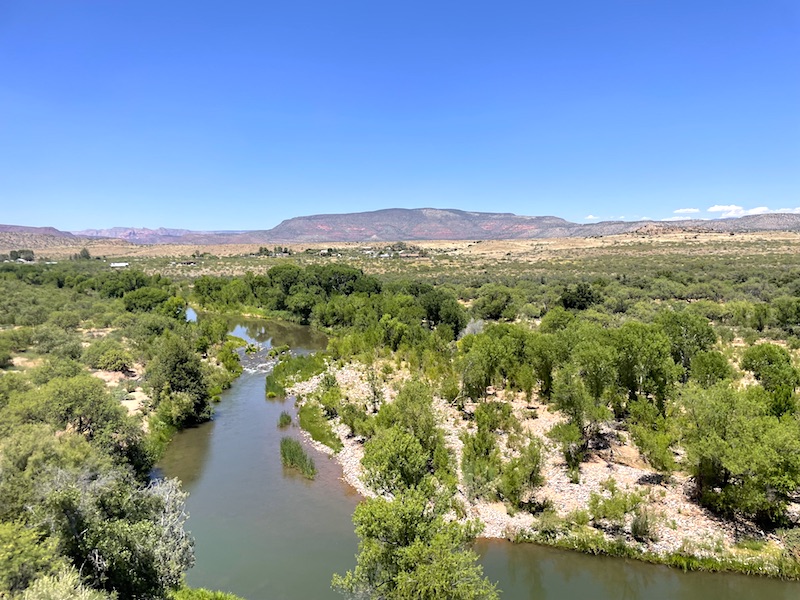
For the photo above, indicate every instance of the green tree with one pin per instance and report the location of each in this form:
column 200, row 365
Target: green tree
column 772, row 367
column 412, row 411
column 596, row 362
column 175, row 368
column 125, row 539
column 145, row 299
column 688, row 333
column 644, row 361
column 393, row 461
column 545, row 352
column 580, row 297
column 24, row 556
column 109, row 355
column 494, row 302
column 744, row 459
column 408, row 551
column 710, row 367
column 574, row 400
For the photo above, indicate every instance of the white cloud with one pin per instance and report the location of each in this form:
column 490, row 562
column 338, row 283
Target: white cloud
column 686, row 211
column 733, row 210
column 759, row 210
column 725, row 208
column 590, row 217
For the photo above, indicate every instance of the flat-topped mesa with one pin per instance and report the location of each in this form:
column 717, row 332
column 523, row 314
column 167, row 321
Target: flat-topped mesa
column 419, row 224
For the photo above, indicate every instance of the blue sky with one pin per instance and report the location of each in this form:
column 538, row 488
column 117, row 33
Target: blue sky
column 238, row 115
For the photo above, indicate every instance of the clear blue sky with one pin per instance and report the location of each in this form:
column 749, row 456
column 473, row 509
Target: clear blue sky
column 237, row 115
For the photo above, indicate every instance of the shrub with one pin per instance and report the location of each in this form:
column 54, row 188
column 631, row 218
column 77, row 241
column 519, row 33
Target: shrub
column 394, row 461
column 294, row 457
column 578, row 517
column 357, row 419
column 228, row 357
column 314, row 422
column 549, row 525
column 201, row 594
column 615, row 506
column 22, row 557
column 66, row 584
column 495, row 416
column 284, row 420
column 331, row 400
column 643, row 525
column 5, row 356
column 572, row 444
column 480, row 463
column 521, row 473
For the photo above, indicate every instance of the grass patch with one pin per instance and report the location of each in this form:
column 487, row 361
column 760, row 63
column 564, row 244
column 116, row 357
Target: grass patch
column 294, row 457
column 293, row 369
column 314, row 422
column 186, row 593
column 589, row 541
column 284, row 420
column 751, row 544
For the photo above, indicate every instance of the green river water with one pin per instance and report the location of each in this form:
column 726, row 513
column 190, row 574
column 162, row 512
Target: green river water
column 265, row 533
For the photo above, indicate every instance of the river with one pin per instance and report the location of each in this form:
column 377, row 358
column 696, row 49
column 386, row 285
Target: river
column 265, row 533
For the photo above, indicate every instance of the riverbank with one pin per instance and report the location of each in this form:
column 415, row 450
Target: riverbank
column 680, row 532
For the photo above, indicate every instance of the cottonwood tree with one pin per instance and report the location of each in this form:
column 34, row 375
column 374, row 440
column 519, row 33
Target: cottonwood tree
column 688, row 333
column 744, row 459
column 409, row 551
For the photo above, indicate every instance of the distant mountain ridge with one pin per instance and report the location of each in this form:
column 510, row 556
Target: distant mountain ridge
column 52, row 231
column 418, row 224
column 137, row 235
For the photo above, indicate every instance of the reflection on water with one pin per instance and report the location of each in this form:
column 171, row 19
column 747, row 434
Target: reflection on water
column 278, row 333
column 186, row 455
column 538, row 572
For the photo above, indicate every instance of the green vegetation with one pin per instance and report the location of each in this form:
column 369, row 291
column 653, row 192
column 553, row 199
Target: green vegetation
column 78, row 515
column 284, row 420
column 186, row 593
column 312, row 419
column 695, row 360
column 294, row 457
column 293, row 369
column 408, row 550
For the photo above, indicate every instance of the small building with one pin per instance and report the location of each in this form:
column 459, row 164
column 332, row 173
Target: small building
column 119, row 265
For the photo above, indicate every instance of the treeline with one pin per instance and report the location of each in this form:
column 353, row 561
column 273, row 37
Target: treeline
column 338, row 296
column 79, row 516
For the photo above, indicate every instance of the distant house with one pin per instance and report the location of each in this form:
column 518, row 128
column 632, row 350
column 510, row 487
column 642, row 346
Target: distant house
column 119, row 265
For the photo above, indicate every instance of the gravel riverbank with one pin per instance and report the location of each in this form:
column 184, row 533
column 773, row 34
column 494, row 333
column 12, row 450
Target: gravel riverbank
column 680, row 523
